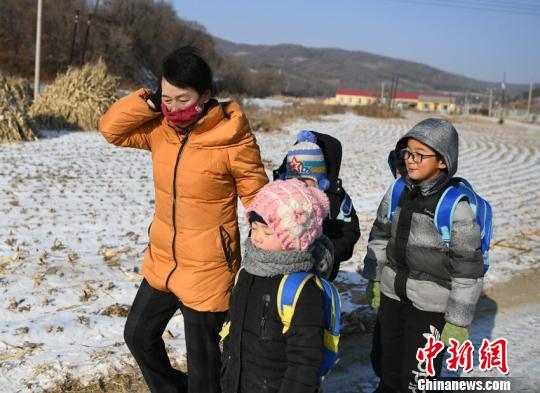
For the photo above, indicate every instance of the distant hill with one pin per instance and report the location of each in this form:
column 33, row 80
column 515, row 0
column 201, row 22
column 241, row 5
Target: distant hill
column 320, row 71
column 119, row 34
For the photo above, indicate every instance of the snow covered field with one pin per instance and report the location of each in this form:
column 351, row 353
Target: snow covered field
column 74, row 213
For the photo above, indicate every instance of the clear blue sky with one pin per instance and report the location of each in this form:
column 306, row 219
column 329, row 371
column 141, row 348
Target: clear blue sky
column 475, row 43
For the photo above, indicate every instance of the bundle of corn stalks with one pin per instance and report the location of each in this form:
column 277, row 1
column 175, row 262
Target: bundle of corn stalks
column 15, row 99
column 76, row 99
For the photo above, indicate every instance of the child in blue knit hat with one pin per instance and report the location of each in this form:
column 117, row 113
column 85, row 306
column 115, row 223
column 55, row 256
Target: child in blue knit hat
column 305, row 161
column 315, row 159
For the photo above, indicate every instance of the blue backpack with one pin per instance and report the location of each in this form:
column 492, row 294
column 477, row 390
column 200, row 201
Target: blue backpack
column 459, row 189
column 288, row 293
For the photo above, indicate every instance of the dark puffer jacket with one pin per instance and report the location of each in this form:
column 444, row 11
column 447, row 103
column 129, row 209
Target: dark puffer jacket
column 409, row 256
column 257, row 356
column 342, row 229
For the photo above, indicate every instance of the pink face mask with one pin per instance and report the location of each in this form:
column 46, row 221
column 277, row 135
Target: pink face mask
column 183, row 118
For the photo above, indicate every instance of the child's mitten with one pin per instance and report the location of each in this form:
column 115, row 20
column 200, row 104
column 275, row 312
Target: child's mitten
column 373, row 293
column 458, row 333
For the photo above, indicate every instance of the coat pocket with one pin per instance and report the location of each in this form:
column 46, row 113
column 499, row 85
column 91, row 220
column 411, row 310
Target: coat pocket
column 226, row 241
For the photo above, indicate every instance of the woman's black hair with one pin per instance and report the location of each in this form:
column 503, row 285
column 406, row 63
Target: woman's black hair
column 184, row 67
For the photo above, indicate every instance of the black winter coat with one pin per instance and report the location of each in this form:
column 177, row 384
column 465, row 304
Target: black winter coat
column 342, row 229
column 257, row 356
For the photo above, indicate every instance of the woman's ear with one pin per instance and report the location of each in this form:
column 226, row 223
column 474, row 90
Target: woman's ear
column 206, row 96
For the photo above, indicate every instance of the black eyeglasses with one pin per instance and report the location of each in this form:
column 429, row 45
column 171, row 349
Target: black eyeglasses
column 416, row 157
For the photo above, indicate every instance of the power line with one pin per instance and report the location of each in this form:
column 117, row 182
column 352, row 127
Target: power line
column 507, row 4
column 469, row 5
column 476, row 7
column 493, row 4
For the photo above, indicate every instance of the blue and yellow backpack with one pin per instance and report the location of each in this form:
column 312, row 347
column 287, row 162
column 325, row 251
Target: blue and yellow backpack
column 289, row 291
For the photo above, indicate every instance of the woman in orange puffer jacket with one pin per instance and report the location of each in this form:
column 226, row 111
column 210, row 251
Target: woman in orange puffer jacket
column 204, row 157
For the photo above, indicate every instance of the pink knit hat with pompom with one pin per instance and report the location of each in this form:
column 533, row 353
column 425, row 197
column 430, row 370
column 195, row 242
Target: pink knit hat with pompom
column 293, row 210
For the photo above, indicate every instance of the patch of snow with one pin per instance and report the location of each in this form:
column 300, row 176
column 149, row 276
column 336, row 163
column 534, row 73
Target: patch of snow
column 75, row 213
column 266, row 103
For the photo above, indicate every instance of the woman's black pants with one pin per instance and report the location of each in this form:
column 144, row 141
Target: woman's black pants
column 149, row 315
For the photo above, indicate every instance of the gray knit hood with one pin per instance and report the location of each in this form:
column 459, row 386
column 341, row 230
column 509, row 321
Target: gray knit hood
column 442, row 137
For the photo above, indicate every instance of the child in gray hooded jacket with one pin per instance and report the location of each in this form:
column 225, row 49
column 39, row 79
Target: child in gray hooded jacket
column 424, row 286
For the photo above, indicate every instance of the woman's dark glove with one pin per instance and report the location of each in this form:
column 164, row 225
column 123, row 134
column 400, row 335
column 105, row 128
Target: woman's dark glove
column 154, row 100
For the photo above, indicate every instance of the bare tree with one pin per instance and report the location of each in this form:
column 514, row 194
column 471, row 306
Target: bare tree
column 132, row 36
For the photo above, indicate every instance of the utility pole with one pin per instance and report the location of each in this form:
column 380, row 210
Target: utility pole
column 382, row 92
column 490, row 101
column 37, row 64
column 88, row 23
column 503, row 88
column 75, row 27
column 389, row 101
column 85, row 41
column 530, row 99
column 393, row 90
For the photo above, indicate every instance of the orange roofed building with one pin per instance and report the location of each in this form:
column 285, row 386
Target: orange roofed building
column 425, row 102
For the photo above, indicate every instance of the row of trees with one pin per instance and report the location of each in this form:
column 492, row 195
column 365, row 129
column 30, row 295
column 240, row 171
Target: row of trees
column 132, row 37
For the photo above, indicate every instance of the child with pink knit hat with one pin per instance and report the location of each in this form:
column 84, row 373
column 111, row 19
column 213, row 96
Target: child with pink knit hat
column 286, row 237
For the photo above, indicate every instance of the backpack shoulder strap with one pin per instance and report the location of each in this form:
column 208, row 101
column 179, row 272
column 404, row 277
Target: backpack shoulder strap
column 289, row 290
column 468, row 190
column 482, row 210
column 484, row 218
column 397, row 188
column 445, row 210
column 332, row 307
column 332, row 313
column 462, row 181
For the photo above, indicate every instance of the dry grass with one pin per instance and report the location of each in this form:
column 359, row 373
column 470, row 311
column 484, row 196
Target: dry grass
column 274, row 119
column 129, row 382
column 76, row 99
column 381, row 112
column 15, row 124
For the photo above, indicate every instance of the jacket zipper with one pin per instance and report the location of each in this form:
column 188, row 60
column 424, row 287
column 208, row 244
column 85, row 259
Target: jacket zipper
column 266, row 300
column 182, row 144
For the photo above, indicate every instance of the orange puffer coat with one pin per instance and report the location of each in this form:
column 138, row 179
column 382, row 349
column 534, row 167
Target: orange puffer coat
column 194, row 248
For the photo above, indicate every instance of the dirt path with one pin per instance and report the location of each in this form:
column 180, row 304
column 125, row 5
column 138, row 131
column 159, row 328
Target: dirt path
column 510, row 309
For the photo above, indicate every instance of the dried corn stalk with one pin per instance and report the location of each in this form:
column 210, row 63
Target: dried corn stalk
column 76, row 99
column 15, row 99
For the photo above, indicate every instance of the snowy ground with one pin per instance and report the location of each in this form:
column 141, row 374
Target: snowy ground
column 74, row 216
column 265, row 103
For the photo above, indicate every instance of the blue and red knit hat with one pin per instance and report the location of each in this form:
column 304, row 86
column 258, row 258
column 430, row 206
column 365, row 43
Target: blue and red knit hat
column 306, row 160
